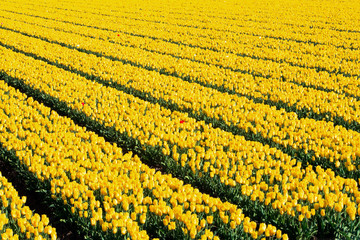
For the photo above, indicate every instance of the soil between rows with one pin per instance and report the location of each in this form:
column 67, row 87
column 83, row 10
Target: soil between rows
column 35, row 201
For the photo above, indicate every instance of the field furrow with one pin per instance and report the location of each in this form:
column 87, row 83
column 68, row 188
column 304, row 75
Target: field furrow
column 17, row 220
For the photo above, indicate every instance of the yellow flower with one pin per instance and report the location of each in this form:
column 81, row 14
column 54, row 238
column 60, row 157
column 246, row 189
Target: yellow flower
column 209, row 219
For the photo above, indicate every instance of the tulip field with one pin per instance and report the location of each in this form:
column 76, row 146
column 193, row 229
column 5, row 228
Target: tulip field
column 180, row 119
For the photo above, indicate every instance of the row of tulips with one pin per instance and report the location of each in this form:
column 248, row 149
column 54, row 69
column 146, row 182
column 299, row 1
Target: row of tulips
column 265, row 177
column 305, row 101
column 166, row 24
column 17, row 221
column 320, row 141
column 109, row 191
column 257, row 59
column 261, row 55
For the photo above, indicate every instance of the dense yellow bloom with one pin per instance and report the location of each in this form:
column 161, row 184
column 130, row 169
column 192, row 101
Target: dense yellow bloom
column 76, row 60
column 273, row 161
column 201, row 61
column 283, row 128
column 119, row 178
